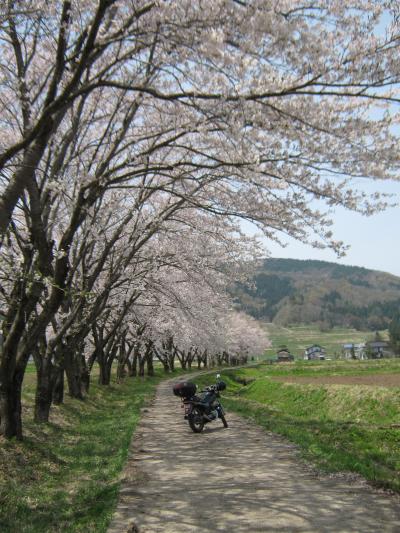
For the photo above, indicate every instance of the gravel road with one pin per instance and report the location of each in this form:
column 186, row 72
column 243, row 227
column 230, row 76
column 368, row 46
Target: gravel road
column 240, row 479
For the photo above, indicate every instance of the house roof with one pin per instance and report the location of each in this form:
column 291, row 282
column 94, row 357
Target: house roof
column 350, row 345
column 285, row 355
column 315, row 348
column 377, row 344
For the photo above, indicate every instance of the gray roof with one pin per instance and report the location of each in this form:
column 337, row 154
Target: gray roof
column 378, row 344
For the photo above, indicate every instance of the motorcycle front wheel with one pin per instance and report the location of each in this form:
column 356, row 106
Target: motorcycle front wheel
column 196, row 421
column 224, row 421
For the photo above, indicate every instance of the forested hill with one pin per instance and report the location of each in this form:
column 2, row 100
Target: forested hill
column 291, row 291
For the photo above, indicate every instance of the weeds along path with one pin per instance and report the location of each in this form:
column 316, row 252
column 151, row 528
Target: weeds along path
column 239, row 479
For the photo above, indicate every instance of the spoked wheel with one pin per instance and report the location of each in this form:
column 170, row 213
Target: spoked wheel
column 224, row 421
column 196, row 421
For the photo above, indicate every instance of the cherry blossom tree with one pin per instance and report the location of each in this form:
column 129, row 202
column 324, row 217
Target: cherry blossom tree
column 185, row 307
column 270, row 94
column 122, row 117
column 109, row 285
column 243, row 338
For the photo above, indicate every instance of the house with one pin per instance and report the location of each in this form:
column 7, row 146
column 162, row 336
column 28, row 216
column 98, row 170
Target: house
column 314, row 352
column 354, row 351
column 284, row 355
column 377, row 349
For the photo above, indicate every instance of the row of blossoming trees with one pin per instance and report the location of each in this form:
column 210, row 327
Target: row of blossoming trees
column 135, row 135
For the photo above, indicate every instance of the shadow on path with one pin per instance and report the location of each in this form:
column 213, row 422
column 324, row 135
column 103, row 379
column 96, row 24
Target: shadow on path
column 239, row 479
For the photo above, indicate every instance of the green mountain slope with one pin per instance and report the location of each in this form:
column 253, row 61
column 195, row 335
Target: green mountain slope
column 291, row 291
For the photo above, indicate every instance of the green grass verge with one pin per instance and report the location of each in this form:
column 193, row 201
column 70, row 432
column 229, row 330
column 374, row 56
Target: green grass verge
column 64, row 475
column 338, row 428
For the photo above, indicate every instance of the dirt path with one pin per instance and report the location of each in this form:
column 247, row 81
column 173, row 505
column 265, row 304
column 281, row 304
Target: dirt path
column 239, row 479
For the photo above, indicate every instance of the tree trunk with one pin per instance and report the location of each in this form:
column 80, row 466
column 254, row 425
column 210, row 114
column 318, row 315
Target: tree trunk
column 10, row 405
column 183, row 357
column 11, row 371
column 150, row 366
column 44, row 389
column 58, row 385
column 192, row 353
column 122, row 362
column 58, row 374
column 169, row 353
column 149, row 359
column 85, row 381
column 102, row 367
column 45, row 375
column 105, row 362
column 73, row 376
column 133, row 370
column 132, row 367
column 84, row 373
column 109, row 369
column 42, row 355
column 105, row 372
column 121, row 372
column 142, row 361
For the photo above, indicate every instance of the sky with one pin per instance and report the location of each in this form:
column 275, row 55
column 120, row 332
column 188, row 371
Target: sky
column 374, row 241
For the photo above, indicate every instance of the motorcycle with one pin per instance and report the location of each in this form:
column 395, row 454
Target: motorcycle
column 201, row 408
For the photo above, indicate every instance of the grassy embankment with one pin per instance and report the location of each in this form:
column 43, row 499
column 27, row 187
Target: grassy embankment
column 64, row 476
column 338, row 428
column 297, row 338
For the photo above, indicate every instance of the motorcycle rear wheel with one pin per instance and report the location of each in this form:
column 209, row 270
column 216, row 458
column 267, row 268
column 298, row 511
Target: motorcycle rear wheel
column 196, row 421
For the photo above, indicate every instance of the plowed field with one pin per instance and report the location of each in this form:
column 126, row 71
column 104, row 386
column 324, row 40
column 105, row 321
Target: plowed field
column 374, row 380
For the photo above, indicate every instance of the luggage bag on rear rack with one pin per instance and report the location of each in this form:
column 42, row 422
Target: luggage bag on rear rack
column 184, row 389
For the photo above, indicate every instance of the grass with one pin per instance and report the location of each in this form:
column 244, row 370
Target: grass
column 297, row 338
column 64, row 475
column 338, row 428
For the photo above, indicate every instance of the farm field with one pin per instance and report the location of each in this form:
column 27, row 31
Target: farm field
column 374, row 380
column 297, row 338
column 343, row 415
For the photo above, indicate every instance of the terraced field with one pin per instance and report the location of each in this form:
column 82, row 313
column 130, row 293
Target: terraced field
column 297, row 338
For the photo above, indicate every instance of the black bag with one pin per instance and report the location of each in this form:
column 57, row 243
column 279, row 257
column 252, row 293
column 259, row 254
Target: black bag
column 184, row 389
column 221, row 385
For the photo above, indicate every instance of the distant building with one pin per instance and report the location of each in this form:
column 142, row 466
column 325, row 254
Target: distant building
column 314, row 352
column 354, row 351
column 377, row 349
column 369, row 350
column 284, row 355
